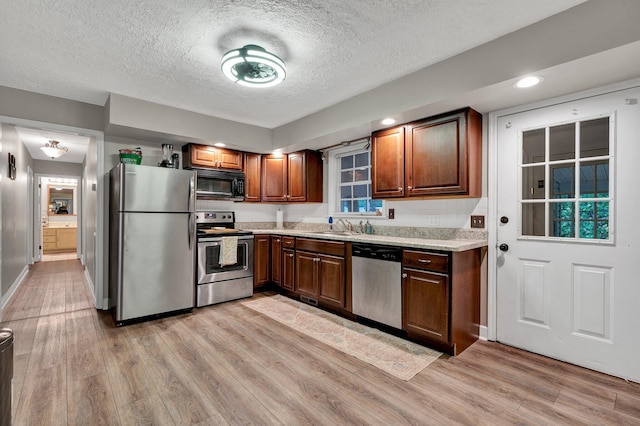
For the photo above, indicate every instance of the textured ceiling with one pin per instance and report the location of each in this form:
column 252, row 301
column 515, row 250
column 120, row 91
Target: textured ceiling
column 169, row 52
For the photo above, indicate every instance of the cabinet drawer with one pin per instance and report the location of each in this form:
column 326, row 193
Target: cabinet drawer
column 49, row 245
column 49, row 239
column 288, row 242
column 424, row 260
column 320, row 246
column 49, row 232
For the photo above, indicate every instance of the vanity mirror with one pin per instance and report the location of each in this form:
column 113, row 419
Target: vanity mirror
column 61, row 199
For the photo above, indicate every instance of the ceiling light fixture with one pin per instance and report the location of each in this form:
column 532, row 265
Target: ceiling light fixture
column 253, row 66
column 388, row 121
column 51, row 149
column 528, row 81
column 220, row 144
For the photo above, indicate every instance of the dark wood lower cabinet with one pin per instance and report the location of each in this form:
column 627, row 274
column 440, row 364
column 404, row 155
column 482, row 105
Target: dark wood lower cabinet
column 306, row 282
column 331, row 276
column 441, row 298
column 276, row 259
column 426, row 303
column 261, row 261
column 288, row 269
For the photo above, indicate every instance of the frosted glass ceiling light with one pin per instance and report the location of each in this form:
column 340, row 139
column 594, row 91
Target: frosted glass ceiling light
column 253, row 66
column 53, row 150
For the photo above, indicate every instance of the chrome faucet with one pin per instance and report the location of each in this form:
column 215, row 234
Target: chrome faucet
column 346, row 224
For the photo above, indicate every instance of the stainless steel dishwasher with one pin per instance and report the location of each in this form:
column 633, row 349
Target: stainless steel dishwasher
column 376, row 283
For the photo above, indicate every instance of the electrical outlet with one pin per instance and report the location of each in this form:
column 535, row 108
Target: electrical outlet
column 392, row 213
column 477, row 221
column 433, row 220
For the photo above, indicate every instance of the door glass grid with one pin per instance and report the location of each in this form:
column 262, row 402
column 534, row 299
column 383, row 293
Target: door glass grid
column 565, row 175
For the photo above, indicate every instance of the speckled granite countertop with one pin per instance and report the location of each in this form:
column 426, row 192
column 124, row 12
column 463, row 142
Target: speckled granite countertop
column 454, row 245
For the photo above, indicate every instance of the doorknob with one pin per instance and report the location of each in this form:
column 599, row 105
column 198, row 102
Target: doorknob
column 504, row 219
column 503, row 247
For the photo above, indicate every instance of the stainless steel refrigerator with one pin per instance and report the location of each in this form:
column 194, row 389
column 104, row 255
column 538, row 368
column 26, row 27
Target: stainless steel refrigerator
column 151, row 241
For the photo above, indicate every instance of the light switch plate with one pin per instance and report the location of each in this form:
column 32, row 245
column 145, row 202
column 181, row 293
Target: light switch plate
column 477, row 221
column 392, row 213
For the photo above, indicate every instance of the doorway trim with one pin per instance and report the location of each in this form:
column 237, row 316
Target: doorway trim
column 492, row 184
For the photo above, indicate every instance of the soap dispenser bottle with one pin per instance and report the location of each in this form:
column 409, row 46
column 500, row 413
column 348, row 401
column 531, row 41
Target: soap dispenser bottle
column 368, row 229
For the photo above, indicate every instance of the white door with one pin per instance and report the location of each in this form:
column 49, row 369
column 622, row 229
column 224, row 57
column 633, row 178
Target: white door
column 568, row 263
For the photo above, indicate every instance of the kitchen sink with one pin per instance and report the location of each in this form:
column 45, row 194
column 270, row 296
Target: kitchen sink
column 334, row 232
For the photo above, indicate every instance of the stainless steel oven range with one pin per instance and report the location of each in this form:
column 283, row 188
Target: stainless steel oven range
column 224, row 259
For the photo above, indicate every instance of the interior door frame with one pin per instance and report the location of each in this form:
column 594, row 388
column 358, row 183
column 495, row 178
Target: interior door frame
column 492, row 185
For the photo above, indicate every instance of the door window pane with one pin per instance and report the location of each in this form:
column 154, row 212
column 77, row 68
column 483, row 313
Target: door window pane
column 594, row 179
column 594, row 138
column 533, row 183
column 562, row 142
column 533, row 146
column 562, row 223
column 594, row 220
column 563, row 181
column 533, row 219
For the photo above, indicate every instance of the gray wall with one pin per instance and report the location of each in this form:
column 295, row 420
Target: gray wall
column 89, row 217
column 58, row 168
column 49, row 109
column 14, row 207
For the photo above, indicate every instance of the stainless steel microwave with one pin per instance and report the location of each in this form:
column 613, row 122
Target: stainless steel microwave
column 220, row 185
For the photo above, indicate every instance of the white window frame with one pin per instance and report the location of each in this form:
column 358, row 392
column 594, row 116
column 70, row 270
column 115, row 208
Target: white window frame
column 333, row 193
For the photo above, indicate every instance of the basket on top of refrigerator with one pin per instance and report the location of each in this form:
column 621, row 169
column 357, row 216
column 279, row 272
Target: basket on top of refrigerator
column 131, row 155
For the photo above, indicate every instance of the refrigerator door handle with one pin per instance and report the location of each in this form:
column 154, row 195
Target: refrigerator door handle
column 191, row 237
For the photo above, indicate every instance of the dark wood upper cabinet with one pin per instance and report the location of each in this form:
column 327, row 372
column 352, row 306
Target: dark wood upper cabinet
column 437, row 156
column 295, row 177
column 274, row 178
column 205, row 156
column 252, row 165
column 387, row 163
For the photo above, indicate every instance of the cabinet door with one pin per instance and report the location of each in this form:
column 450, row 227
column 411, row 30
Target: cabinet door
column 297, row 183
column 274, row 178
column 229, row 159
column 425, row 304
column 387, row 163
column 204, row 156
column 252, row 179
column 332, row 280
column 276, row 259
column 441, row 146
column 306, row 273
column 288, row 269
column 66, row 238
column 261, row 260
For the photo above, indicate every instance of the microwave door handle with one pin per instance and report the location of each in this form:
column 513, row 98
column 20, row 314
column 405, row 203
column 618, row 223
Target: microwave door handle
column 214, row 192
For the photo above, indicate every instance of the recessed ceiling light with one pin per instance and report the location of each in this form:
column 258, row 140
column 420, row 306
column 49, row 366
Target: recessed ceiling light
column 220, row 144
column 529, row 81
column 388, row 121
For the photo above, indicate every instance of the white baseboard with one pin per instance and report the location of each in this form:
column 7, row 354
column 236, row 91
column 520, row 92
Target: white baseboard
column 12, row 290
column 483, row 333
column 91, row 286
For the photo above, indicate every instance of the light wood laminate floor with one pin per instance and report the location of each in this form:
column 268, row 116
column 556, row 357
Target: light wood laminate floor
column 226, row 364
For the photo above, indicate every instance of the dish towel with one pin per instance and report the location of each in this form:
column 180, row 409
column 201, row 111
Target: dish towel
column 228, row 251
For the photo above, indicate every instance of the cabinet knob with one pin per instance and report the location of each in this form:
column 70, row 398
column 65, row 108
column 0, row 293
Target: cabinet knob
column 400, row 188
column 404, row 275
column 409, row 187
column 278, row 241
column 290, row 254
